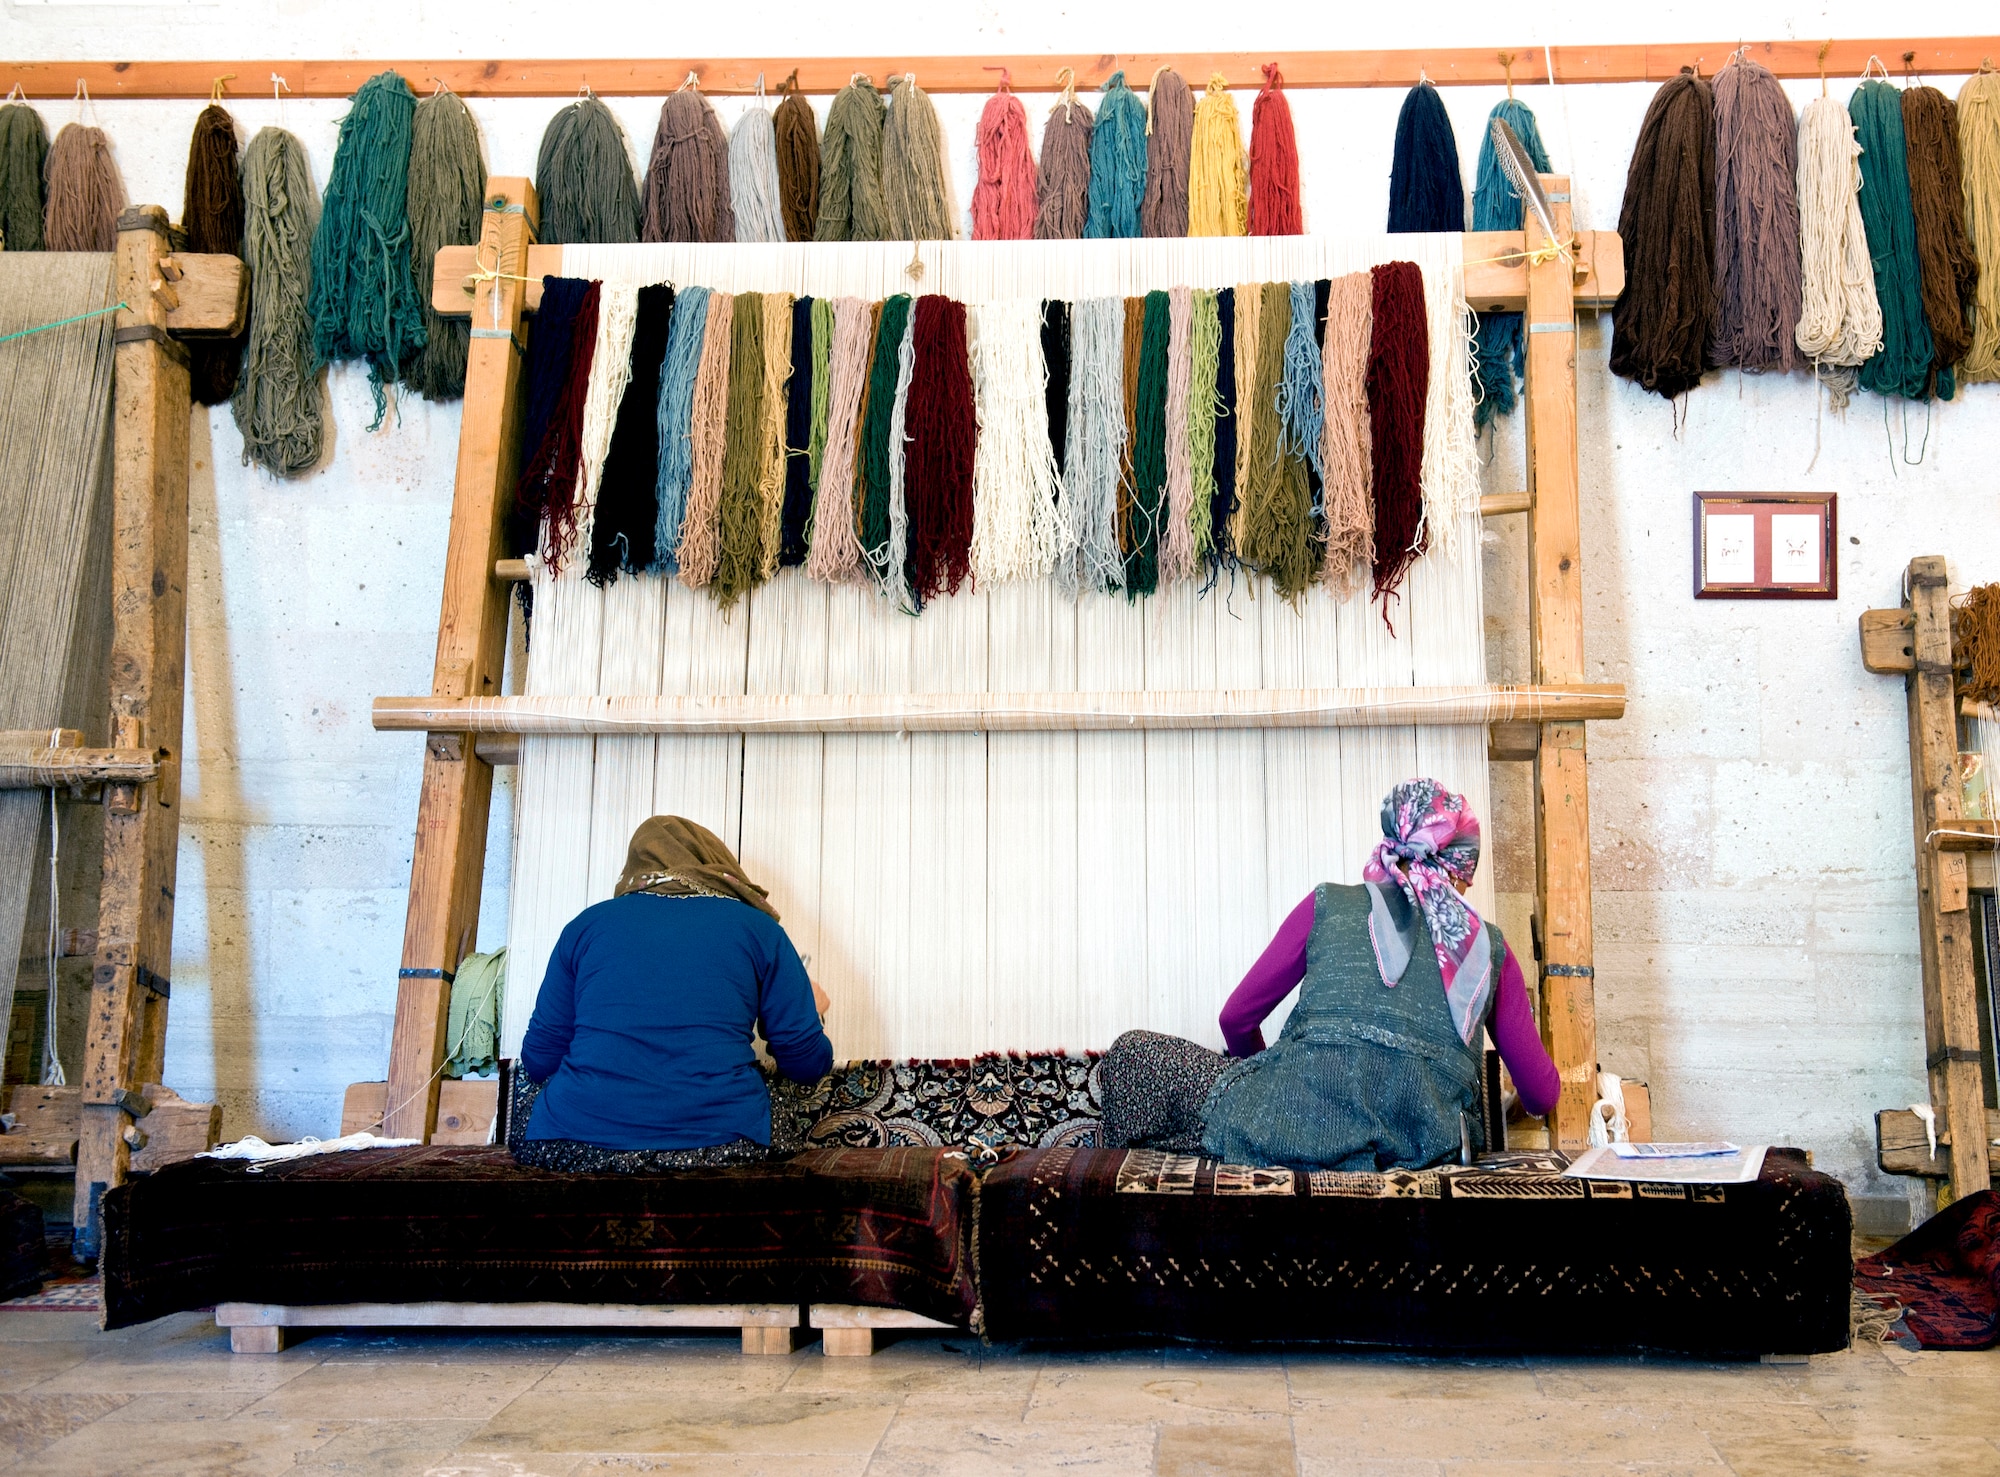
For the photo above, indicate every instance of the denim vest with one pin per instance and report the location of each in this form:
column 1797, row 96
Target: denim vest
column 1365, row 1076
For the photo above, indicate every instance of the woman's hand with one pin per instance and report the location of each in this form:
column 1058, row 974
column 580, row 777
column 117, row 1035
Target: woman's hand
column 821, row 1002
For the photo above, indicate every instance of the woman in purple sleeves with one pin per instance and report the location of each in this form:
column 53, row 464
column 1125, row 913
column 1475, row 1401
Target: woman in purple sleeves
column 1397, row 977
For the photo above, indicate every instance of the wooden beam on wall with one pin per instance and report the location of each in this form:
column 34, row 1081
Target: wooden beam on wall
column 452, row 809
column 1447, row 66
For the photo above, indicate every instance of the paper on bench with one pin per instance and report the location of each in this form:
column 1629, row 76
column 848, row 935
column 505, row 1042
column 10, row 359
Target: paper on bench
column 1738, row 1168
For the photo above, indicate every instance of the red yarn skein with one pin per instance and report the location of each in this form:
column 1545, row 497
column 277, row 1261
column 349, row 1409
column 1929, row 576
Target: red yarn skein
column 1003, row 202
column 943, row 431
column 1274, row 162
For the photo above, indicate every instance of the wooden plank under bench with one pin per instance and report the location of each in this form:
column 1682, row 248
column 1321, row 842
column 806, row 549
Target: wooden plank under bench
column 259, row 1328
column 848, row 1329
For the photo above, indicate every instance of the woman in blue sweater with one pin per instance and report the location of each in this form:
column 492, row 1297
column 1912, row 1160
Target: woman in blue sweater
column 641, row 1036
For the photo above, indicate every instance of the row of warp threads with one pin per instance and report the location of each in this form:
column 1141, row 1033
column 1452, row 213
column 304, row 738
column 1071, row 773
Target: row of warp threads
column 1109, row 444
column 1862, row 240
column 351, row 279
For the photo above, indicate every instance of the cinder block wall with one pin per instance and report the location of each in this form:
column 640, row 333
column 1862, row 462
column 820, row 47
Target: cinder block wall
column 1757, row 957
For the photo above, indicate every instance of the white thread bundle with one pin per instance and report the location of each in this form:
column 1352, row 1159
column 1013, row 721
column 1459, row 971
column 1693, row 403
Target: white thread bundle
column 1177, row 536
column 753, row 176
column 1096, row 441
column 1840, row 318
column 834, row 555
column 610, row 373
column 1018, row 528
column 1451, row 458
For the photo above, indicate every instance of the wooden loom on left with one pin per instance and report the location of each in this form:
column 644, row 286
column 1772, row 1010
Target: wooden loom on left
column 119, row 1118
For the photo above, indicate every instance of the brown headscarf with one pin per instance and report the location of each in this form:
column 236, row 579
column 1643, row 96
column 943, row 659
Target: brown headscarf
column 674, row 857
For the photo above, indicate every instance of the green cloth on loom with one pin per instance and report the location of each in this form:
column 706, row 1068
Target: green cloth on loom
column 473, row 1027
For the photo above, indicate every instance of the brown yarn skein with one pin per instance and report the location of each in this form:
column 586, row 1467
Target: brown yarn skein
column 685, row 196
column 85, row 192
column 1949, row 266
column 1062, row 203
column 1666, row 315
column 212, row 216
column 798, row 166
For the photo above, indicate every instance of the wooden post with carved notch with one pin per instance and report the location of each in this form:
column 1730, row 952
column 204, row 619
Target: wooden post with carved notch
column 1555, row 617
column 450, row 852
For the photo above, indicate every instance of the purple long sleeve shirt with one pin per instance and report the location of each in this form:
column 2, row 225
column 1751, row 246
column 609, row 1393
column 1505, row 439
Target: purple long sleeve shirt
column 1282, row 965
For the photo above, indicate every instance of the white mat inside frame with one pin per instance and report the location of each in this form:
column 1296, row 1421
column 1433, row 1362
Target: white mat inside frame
column 967, row 892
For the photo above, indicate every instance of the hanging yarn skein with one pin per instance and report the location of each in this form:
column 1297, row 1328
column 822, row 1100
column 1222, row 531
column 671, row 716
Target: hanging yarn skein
column 687, row 329
column 1117, row 163
column 1347, row 518
column 914, row 187
column 850, row 167
column 739, row 515
column 583, row 178
column 1062, row 203
column 212, row 216
column 1399, row 360
column 1499, row 347
column 807, row 384
column 1277, row 530
column 1003, row 202
column 754, row 191
column 364, row 296
column 1948, row 265
column 1757, row 286
column 1666, row 314
column 1218, row 175
column 1425, row 190
column 833, row 545
column 1903, row 364
column 686, row 189
column 447, row 190
column 942, row 428
column 1979, row 154
column 626, row 521
column 547, row 493
column 796, row 139
column 278, row 404
column 1840, row 319
column 1149, row 448
column 1274, row 162
column 85, row 192
column 544, row 374
column 24, row 149
column 1163, row 211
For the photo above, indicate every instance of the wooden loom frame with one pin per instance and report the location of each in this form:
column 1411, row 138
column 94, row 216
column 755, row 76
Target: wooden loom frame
column 1546, row 728
column 163, row 295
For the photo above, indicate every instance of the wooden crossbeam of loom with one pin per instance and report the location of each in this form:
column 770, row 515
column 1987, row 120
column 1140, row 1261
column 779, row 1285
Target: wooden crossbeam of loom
column 1523, row 62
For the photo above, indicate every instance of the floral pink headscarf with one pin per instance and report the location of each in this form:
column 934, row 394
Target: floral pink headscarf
column 1431, row 840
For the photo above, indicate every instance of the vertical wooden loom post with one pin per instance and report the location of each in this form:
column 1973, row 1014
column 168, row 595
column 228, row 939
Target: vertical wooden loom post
column 1555, row 616
column 126, row 1036
column 1944, row 919
column 472, row 638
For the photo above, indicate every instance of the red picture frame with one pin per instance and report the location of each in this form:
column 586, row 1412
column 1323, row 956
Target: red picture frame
column 1766, row 546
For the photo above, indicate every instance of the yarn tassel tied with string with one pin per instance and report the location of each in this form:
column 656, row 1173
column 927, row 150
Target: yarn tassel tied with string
column 583, row 178
column 755, row 195
column 24, row 150
column 85, row 193
column 1757, row 285
column 212, row 216
column 364, row 295
column 1948, row 266
column 1979, row 154
column 1903, row 364
column 1003, row 202
column 1117, row 163
column 1426, row 192
column 1062, row 202
column 279, row 407
column 1665, row 316
column 914, row 187
column 447, row 191
column 796, row 139
column 1499, row 347
column 1218, row 176
column 1163, row 211
column 850, row 166
column 685, row 196
column 1274, row 162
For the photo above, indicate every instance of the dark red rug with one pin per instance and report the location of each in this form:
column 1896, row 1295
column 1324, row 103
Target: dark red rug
column 1944, row 1277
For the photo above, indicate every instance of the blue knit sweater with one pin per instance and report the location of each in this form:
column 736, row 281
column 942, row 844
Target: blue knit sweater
column 642, row 1030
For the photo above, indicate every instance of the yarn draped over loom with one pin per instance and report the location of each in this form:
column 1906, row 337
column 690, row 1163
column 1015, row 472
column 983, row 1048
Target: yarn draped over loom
column 583, row 178
column 1757, row 286
column 808, row 378
column 740, row 519
column 1117, row 162
column 1169, row 140
column 546, row 495
column 623, row 530
column 1903, row 364
column 1975, row 642
column 364, row 296
column 914, row 188
column 1949, row 268
column 1399, row 367
column 277, row 406
column 212, row 216
column 1840, row 319
column 1276, row 537
column 1979, row 155
column 1664, row 318
column 796, row 140
column 674, row 422
column 834, row 554
column 1149, row 449
column 1203, row 350
column 1425, row 191
column 1347, row 515
column 1499, row 348
column 1062, row 199
column 686, row 190
column 1003, row 202
column 1018, row 531
column 1217, row 177
column 942, row 429
column 850, row 167
column 85, row 192
column 447, row 190
column 24, row 148
column 700, row 549
column 1274, row 161
column 1221, row 549
column 1095, row 443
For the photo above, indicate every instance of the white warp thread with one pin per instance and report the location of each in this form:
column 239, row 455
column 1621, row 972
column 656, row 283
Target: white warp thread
column 1018, row 528
column 610, row 373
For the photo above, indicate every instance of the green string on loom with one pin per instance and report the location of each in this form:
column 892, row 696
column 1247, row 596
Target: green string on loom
column 1204, row 362
column 882, row 376
column 1149, row 451
column 62, row 322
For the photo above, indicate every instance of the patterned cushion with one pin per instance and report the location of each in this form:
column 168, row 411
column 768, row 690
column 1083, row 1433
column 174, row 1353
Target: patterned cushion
column 984, row 1105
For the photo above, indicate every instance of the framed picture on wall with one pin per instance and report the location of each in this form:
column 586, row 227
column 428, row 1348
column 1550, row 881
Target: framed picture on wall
column 1765, row 546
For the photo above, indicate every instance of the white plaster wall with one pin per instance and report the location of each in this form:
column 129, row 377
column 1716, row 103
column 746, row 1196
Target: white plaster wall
column 1756, row 945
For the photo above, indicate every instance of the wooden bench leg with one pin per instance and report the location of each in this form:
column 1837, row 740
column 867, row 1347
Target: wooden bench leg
column 837, row 1341
column 761, row 1340
column 256, row 1339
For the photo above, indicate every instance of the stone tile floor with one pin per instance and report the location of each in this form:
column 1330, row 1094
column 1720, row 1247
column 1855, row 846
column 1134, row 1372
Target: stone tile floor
column 170, row 1398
